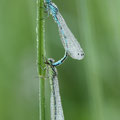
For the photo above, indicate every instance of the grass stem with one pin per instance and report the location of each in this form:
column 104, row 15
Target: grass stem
column 40, row 30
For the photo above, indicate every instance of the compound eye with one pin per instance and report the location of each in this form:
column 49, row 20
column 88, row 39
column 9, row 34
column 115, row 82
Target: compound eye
column 51, row 61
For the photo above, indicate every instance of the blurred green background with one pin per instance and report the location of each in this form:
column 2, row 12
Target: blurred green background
column 90, row 89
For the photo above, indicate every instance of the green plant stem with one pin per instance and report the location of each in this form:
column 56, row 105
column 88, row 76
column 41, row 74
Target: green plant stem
column 40, row 56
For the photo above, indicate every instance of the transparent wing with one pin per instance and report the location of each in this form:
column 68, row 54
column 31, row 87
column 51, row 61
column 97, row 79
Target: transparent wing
column 56, row 106
column 70, row 43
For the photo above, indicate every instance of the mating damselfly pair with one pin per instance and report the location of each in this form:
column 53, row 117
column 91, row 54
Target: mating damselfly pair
column 71, row 45
column 72, row 48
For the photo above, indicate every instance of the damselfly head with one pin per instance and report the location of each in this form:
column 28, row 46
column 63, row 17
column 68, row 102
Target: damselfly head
column 47, row 1
column 49, row 61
